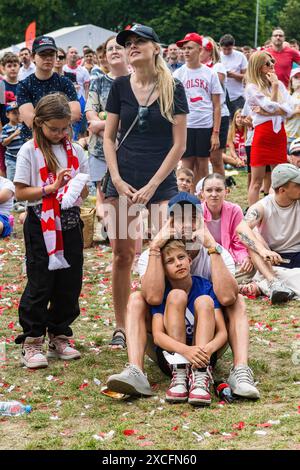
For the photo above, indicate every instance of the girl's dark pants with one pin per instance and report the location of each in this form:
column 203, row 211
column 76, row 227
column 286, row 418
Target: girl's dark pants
column 50, row 299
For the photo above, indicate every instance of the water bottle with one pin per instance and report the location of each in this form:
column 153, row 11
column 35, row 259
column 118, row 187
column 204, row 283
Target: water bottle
column 223, row 391
column 13, row 408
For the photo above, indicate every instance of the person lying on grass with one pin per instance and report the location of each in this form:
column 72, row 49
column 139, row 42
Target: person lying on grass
column 189, row 322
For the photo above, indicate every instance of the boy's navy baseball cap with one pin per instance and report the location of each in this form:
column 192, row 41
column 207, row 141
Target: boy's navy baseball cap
column 43, row 43
column 140, row 30
column 184, row 198
column 11, row 106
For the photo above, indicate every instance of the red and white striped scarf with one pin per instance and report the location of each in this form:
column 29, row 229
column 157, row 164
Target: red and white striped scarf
column 50, row 219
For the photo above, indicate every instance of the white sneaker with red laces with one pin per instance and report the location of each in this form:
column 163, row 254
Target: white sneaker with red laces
column 200, row 381
column 60, row 348
column 178, row 388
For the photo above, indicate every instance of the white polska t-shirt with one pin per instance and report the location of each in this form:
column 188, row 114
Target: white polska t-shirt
column 82, row 77
column 27, row 170
column 234, row 62
column 201, row 265
column 6, row 207
column 199, row 85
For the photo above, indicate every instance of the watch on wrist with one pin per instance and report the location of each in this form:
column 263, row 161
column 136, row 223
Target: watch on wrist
column 217, row 249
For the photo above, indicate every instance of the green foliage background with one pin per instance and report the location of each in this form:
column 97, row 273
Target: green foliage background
column 170, row 18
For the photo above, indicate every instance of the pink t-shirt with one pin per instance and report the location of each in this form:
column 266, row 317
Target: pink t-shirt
column 284, row 62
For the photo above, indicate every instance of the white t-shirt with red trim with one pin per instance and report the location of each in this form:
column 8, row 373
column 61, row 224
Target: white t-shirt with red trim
column 199, row 84
column 82, row 77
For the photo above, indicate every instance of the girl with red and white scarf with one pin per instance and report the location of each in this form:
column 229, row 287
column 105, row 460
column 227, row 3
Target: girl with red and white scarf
column 51, row 175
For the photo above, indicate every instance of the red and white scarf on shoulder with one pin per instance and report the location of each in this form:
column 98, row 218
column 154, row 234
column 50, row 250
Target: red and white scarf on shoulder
column 50, row 219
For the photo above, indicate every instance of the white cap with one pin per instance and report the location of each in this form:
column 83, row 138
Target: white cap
column 199, row 186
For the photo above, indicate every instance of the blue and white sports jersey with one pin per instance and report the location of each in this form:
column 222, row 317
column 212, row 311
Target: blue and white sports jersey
column 200, row 287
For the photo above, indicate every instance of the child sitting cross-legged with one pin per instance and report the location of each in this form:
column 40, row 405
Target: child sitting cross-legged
column 188, row 322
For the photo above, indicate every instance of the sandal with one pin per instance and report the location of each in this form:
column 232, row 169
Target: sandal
column 118, row 340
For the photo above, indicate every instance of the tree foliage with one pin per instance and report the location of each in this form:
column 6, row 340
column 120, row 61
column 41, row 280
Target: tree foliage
column 289, row 19
column 172, row 19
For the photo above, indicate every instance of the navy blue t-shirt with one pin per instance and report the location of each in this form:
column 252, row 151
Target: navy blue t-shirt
column 200, row 287
column 31, row 90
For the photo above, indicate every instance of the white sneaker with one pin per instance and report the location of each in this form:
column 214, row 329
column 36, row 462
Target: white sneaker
column 199, row 393
column 131, row 381
column 241, row 382
column 178, row 388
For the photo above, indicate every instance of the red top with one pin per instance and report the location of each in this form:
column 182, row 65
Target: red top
column 284, row 62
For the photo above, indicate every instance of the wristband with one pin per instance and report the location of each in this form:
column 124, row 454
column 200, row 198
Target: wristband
column 44, row 194
column 156, row 250
column 215, row 131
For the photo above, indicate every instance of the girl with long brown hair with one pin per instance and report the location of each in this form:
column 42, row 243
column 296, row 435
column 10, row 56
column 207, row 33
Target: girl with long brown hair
column 47, row 167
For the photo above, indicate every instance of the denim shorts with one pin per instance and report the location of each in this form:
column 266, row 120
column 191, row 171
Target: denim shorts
column 6, row 226
column 10, row 164
column 137, row 170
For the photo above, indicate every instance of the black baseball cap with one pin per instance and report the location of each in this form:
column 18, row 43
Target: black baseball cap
column 43, row 43
column 140, row 30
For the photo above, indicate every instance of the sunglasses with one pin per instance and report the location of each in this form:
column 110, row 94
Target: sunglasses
column 143, row 122
column 60, row 57
column 270, row 63
column 136, row 42
column 296, row 154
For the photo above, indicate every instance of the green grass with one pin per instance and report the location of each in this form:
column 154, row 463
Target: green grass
column 84, row 413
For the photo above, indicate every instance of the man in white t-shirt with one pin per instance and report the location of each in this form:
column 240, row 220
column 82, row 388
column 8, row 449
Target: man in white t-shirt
column 28, row 67
column 276, row 238
column 81, row 77
column 185, row 220
column 203, row 91
column 235, row 64
column 7, row 191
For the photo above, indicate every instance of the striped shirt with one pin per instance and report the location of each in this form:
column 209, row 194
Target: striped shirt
column 12, row 149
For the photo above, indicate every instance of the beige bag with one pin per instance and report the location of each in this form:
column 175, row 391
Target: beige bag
column 87, row 216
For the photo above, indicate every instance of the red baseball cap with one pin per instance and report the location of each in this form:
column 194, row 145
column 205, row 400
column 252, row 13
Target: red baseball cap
column 195, row 37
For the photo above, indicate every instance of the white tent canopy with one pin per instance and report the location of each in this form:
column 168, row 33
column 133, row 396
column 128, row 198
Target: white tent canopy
column 76, row 36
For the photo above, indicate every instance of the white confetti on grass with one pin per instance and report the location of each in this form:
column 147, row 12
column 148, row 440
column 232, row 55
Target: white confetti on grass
column 260, row 433
column 104, row 436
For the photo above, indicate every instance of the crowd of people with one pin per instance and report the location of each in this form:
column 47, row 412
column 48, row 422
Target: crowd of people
column 155, row 131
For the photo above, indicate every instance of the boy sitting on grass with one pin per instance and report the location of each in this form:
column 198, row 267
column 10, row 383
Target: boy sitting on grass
column 188, row 322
